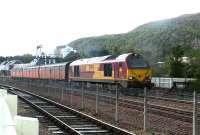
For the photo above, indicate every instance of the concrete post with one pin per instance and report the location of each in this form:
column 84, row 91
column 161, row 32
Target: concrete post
column 195, row 131
column 145, row 109
column 12, row 104
column 97, row 98
column 116, row 103
column 26, row 125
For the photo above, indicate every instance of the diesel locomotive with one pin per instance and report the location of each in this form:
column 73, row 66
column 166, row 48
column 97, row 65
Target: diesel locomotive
column 129, row 70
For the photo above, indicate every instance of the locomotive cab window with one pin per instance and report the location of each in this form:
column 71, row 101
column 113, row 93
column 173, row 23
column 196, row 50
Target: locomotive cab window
column 76, row 71
column 108, row 70
column 136, row 61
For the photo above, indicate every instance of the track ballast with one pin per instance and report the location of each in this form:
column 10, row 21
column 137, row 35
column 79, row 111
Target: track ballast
column 69, row 120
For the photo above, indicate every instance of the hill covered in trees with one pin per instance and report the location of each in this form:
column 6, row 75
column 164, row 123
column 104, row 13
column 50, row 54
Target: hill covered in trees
column 26, row 58
column 154, row 40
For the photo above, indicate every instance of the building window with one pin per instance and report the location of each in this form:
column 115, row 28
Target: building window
column 108, row 70
column 76, row 71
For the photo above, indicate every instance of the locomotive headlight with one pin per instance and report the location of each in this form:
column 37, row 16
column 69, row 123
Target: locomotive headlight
column 130, row 77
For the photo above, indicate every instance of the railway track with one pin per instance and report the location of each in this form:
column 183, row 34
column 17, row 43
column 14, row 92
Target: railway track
column 46, row 127
column 169, row 112
column 67, row 119
column 186, row 101
column 172, row 99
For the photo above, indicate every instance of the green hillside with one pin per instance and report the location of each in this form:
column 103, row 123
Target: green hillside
column 154, row 39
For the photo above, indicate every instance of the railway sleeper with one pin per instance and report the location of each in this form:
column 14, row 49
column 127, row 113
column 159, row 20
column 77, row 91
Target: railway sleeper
column 99, row 128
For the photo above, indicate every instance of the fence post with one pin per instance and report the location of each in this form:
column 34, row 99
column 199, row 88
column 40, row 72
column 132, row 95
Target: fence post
column 48, row 88
column 145, row 109
column 61, row 99
column 82, row 97
column 195, row 113
column 71, row 95
column 116, row 103
column 97, row 98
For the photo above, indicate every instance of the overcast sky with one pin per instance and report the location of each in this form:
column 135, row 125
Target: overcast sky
column 24, row 24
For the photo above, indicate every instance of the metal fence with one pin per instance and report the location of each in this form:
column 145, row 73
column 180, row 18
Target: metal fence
column 162, row 82
column 134, row 113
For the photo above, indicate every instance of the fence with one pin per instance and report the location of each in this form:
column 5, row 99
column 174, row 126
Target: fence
column 129, row 112
column 168, row 82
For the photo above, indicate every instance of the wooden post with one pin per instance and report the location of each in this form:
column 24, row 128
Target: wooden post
column 145, row 109
column 116, row 103
column 97, row 98
column 195, row 131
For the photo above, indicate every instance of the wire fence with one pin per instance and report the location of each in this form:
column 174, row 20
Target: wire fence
column 140, row 114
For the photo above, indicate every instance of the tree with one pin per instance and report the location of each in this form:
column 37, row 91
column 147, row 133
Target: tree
column 26, row 58
column 193, row 68
column 115, row 50
column 2, row 59
column 176, row 66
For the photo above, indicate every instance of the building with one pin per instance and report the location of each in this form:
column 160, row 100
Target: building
column 6, row 66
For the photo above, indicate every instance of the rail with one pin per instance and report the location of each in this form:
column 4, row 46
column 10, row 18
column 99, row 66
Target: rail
column 71, row 120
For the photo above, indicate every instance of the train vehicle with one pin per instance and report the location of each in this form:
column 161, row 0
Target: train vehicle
column 49, row 72
column 129, row 70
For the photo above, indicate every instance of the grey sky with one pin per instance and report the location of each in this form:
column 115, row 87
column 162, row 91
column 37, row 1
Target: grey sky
column 26, row 23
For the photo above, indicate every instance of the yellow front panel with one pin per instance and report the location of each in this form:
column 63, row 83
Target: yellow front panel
column 139, row 74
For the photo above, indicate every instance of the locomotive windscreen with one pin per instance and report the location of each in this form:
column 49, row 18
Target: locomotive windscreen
column 136, row 62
